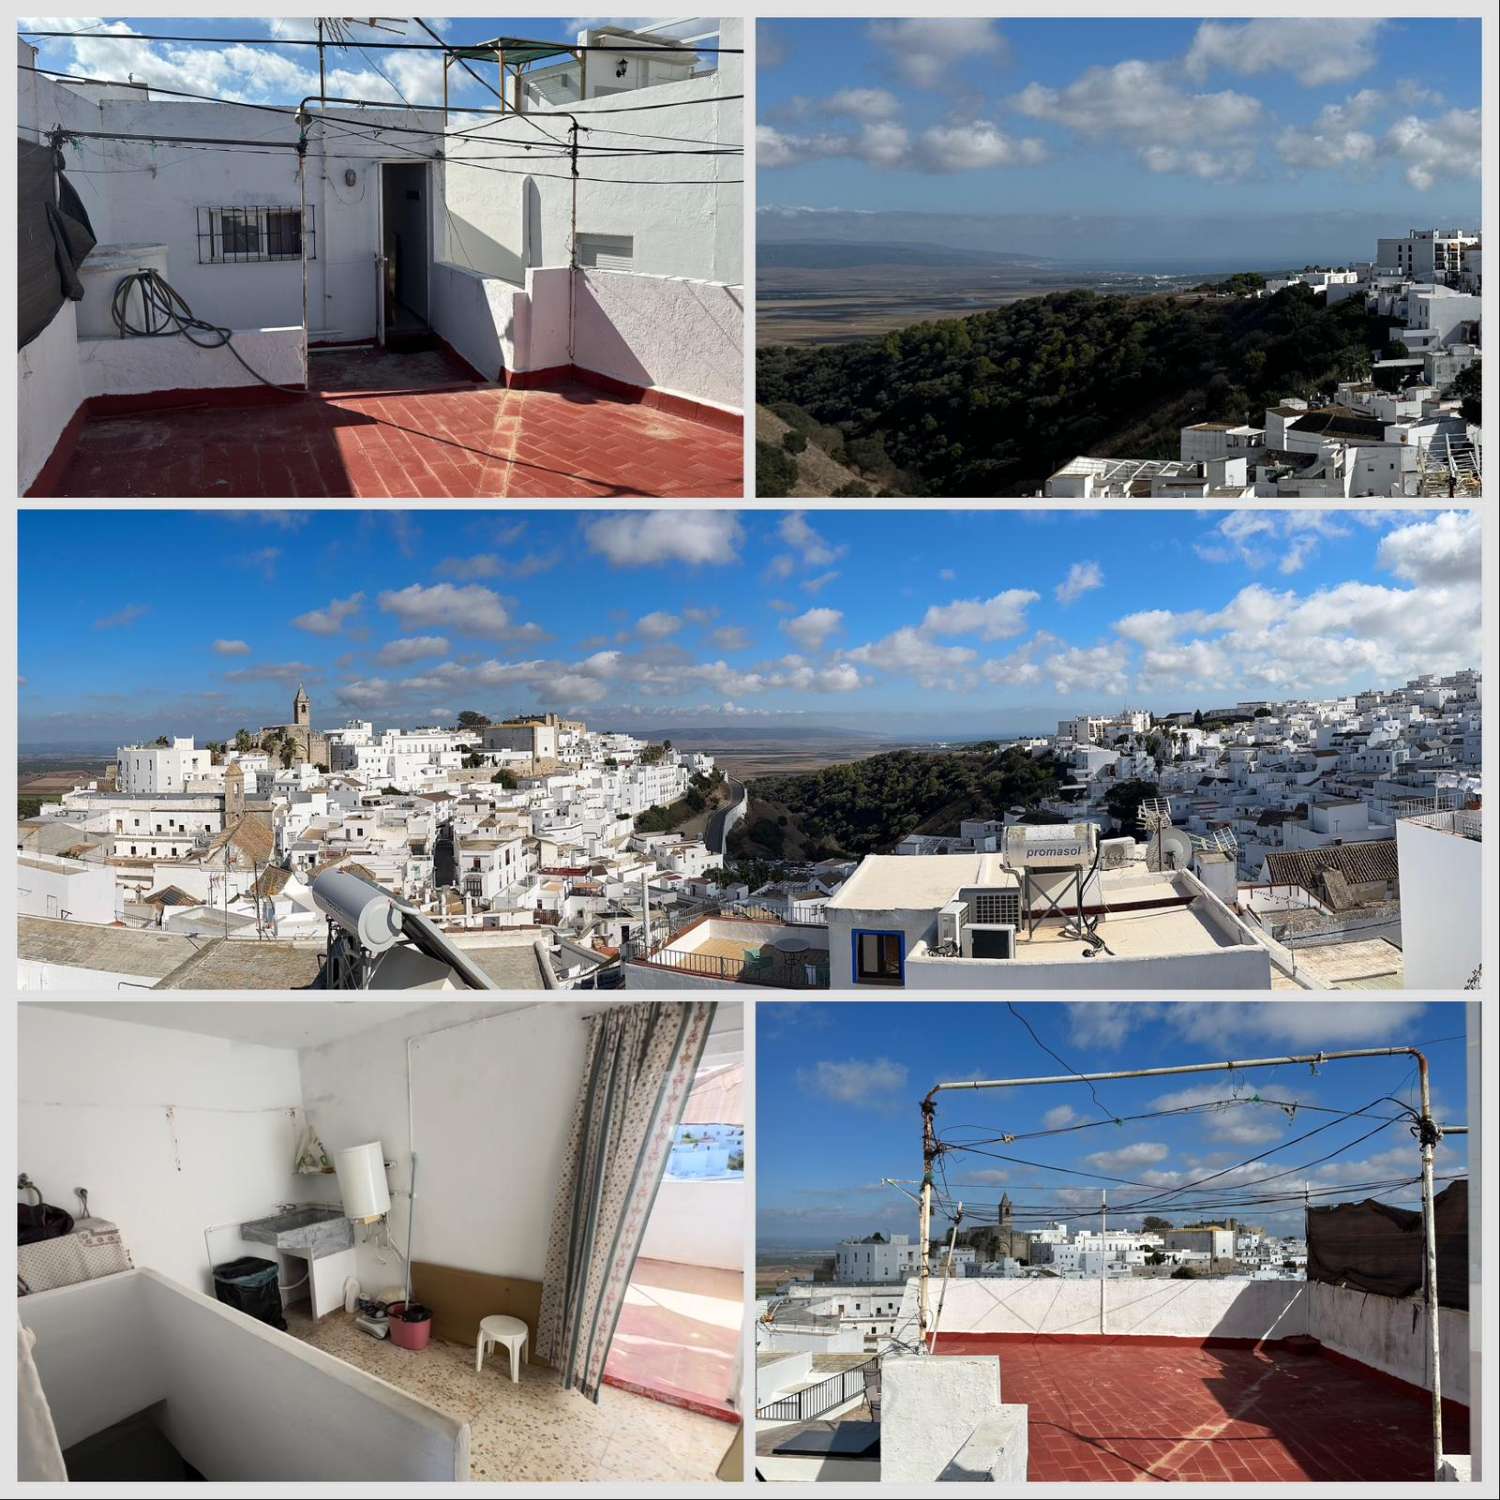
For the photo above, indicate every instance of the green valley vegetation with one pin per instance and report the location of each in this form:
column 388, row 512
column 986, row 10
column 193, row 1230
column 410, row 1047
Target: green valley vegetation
column 994, row 403
column 868, row 806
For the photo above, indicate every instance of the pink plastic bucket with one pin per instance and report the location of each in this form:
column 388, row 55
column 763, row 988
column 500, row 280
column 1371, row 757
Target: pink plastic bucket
column 408, row 1335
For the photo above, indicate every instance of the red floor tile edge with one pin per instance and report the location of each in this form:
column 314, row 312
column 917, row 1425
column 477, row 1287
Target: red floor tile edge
column 147, row 402
column 678, row 406
column 669, row 1395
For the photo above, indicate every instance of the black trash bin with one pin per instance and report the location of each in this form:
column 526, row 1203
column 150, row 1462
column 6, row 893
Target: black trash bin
column 251, row 1285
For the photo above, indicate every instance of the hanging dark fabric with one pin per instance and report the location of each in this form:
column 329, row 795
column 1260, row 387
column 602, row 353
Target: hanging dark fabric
column 1376, row 1247
column 53, row 237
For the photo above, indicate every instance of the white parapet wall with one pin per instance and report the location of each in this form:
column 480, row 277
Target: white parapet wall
column 698, row 1223
column 1128, row 1306
column 242, row 1402
column 941, row 1418
column 48, row 393
column 485, row 318
column 663, row 333
column 1390, row 1334
column 139, row 366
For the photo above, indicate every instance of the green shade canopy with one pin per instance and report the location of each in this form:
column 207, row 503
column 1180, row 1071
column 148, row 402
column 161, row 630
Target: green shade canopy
column 518, row 51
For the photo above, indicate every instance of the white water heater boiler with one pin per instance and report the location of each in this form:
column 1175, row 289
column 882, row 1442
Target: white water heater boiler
column 362, row 1184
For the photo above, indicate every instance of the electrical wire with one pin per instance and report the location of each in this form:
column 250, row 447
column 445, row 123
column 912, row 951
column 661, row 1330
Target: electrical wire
column 1098, row 1102
column 260, row 41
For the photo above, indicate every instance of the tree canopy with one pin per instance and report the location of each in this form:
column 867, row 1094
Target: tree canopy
column 993, row 403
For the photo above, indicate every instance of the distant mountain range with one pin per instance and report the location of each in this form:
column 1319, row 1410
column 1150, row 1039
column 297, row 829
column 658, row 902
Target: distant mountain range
column 1205, row 242
column 828, row 255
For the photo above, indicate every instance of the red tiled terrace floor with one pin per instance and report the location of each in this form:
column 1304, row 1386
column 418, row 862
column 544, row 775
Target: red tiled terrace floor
column 404, row 426
column 1131, row 1412
column 679, row 1337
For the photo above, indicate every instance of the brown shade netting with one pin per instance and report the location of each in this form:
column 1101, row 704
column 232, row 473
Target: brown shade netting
column 1376, row 1247
column 53, row 234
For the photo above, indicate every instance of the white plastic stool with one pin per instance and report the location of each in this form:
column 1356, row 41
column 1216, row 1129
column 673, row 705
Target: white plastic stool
column 511, row 1332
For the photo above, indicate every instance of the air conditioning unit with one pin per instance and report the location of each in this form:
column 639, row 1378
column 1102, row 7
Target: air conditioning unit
column 950, row 925
column 989, row 940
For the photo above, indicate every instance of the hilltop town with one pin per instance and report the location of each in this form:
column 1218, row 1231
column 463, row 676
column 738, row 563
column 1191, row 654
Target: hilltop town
column 1301, row 844
column 1410, row 427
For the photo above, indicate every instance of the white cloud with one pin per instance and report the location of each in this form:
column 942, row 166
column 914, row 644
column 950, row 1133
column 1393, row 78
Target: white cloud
column 811, row 546
column 1448, row 145
column 1100, row 670
column 958, row 146
column 412, row 648
column 635, row 539
column 1444, row 550
column 658, row 625
column 1082, row 577
column 869, row 1083
column 863, row 104
column 927, row 51
column 812, row 630
column 1140, row 105
column 1059, row 1117
column 1315, row 52
column 1125, row 1158
column 997, row 618
column 330, row 619
column 232, row 648
column 467, row 609
column 908, row 652
column 731, row 638
column 1252, row 1122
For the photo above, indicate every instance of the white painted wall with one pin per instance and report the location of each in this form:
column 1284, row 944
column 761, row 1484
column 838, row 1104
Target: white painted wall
column 481, row 316
column 929, row 1409
column 1241, row 968
column 663, row 333
column 128, row 367
column 242, row 1401
column 48, row 393
column 492, row 1100
column 694, row 232
column 699, row 1224
column 1223, row 1307
column 169, row 1132
column 1390, row 1334
column 1442, row 905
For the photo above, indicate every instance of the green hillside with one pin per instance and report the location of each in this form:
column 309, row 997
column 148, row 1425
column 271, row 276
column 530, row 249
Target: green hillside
column 992, row 404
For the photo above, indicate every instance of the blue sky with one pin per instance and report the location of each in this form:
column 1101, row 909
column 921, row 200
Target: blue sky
column 838, row 1087
column 931, row 624
column 285, row 74
column 1160, row 118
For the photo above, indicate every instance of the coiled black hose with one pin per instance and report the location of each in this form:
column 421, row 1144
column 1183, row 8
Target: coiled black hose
column 166, row 315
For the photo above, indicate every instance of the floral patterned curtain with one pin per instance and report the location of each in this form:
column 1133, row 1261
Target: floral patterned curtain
column 638, row 1071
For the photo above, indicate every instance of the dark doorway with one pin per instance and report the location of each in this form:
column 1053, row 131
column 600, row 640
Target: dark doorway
column 406, row 250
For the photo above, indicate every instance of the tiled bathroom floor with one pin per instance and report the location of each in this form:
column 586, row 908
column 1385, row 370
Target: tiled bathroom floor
column 534, row 1430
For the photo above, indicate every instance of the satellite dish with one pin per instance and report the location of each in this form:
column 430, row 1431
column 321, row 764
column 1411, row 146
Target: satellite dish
column 1176, row 848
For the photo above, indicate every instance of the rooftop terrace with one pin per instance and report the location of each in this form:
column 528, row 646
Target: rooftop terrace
column 378, row 424
column 1130, row 1411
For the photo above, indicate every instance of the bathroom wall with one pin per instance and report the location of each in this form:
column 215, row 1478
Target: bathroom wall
column 491, row 1101
column 169, row 1132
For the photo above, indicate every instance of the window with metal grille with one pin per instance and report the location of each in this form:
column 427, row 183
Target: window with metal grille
column 992, row 907
column 239, row 236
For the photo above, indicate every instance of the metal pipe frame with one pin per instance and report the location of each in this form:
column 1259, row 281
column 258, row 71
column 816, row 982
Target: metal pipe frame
column 1428, row 1135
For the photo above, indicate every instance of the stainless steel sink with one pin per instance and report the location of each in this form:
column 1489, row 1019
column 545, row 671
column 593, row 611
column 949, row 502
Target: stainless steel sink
column 309, row 1231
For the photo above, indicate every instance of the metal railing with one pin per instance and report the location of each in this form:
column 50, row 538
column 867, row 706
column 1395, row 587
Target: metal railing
column 811, row 1402
column 780, row 971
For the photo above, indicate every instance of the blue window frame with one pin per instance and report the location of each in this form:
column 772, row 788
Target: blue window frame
column 878, row 957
